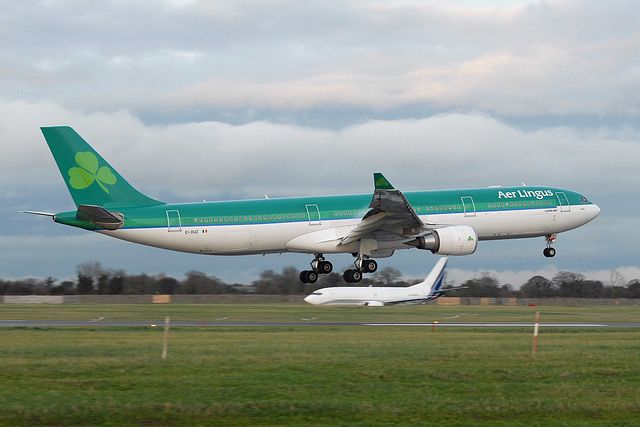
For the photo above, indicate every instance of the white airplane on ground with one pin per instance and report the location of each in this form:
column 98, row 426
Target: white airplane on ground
column 428, row 290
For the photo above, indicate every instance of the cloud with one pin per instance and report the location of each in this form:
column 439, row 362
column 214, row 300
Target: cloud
column 214, row 159
column 522, row 58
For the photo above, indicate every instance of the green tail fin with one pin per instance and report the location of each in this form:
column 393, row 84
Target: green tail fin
column 89, row 178
column 381, row 182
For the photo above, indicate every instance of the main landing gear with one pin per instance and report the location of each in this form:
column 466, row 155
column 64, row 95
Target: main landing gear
column 318, row 266
column 321, row 266
column 550, row 252
column 363, row 265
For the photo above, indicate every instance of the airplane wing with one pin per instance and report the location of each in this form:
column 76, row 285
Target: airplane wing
column 415, row 301
column 391, row 216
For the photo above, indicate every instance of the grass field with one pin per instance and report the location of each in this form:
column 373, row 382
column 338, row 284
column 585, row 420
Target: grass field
column 312, row 375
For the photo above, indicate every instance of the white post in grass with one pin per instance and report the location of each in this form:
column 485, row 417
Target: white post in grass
column 535, row 334
column 165, row 342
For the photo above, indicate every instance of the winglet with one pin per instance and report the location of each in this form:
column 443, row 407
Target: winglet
column 381, row 183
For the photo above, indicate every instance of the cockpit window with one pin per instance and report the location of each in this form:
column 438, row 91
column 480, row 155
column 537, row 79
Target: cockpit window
column 583, row 199
column 316, row 293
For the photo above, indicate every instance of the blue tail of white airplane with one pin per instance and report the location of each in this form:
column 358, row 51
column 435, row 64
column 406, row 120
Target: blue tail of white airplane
column 434, row 281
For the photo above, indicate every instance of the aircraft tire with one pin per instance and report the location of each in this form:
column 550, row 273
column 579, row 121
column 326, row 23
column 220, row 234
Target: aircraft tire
column 308, row 276
column 312, row 277
column 352, row 276
column 325, row 267
column 356, row 276
column 369, row 266
column 347, row 276
column 549, row 252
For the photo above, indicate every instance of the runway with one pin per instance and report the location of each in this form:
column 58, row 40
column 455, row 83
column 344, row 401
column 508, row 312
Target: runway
column 302, row 322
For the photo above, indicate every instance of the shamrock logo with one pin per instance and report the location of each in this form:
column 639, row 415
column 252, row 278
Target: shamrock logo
column 382, row 183
column 89, row 171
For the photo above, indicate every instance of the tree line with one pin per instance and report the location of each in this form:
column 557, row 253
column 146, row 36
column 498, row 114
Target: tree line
column 93, row 279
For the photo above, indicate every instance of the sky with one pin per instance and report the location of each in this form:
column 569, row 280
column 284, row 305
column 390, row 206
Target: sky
column 225, row 100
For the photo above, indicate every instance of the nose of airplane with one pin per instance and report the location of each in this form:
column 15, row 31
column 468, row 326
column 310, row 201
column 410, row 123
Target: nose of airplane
column 314, row 299
column 589, row 213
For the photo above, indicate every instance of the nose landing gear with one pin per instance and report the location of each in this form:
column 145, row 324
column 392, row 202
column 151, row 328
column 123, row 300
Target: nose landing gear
column 549, row 252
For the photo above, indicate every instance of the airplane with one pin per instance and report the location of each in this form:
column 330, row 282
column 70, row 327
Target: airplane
column 377, row 296
column 368, row 226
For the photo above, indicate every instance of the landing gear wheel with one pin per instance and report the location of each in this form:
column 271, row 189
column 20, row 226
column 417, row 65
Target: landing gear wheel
column 369, row 266
column 320, row 266
column 308, row 276
column 549, row 252
column 352, row 276
column 356, row 276
column 347, row 276
column 325, row 267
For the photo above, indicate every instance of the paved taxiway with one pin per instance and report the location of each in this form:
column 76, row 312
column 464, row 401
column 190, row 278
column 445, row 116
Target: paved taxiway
column 182, row 323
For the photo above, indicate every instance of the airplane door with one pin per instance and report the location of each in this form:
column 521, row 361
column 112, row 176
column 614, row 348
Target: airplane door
column 173, row 221
column 314, row 214
column 563, row 202
column 469, row 206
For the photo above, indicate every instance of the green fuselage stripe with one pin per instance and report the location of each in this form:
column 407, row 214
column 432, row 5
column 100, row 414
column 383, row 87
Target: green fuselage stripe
column 328, row 208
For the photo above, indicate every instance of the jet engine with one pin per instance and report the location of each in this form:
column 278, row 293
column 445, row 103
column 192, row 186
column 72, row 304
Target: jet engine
column 453, row 240
column 374, row 303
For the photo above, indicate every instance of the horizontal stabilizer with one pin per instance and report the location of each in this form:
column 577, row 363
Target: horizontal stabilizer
column 442, row 292
column 101, row 217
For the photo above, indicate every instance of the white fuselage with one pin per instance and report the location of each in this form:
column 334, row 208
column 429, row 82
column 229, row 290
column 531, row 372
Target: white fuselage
column 323, row 236
column 372, row 295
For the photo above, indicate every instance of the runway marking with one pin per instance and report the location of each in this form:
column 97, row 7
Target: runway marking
column 306, row 322
column 498, row 325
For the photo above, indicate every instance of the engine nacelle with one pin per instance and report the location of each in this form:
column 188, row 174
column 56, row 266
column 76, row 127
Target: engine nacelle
column 454, row 240
column 374, row 303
